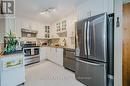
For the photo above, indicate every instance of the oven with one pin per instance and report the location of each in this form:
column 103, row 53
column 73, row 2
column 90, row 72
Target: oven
column 32, row 54
column 32, row 51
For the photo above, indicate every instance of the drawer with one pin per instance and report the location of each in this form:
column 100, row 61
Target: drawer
column 12, row 63
column 30, row 61
column 91, row 74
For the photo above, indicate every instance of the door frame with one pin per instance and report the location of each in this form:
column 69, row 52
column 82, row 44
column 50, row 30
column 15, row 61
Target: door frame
column 118, row 41
column 123, row 59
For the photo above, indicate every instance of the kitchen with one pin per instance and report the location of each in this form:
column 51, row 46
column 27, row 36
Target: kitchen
column 44, row 34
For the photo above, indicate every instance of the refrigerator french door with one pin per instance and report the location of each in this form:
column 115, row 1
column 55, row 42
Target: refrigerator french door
column 92, row 50
column 97, row 38
column 80, row 38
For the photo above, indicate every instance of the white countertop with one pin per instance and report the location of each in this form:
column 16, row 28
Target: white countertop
column 12, row 55
column 57, row 47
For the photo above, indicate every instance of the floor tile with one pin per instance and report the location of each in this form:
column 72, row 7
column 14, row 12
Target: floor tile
column 49, row 74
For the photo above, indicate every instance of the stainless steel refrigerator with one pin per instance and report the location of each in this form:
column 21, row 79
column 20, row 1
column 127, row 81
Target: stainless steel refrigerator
column 94, row 50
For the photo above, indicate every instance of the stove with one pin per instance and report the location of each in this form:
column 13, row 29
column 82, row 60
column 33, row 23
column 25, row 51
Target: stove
column 31, row 53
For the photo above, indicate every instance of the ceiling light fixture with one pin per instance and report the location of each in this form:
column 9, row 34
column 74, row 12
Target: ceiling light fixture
column 48, row 10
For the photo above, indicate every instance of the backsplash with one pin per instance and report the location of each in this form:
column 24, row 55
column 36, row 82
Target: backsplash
column 1, row 47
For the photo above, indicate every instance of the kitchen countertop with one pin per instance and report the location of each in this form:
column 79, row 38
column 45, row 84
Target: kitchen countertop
column 12, row 55
column 54, row 46
column 58, row 47
column 12, row 69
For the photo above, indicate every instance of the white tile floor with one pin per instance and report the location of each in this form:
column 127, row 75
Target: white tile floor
column 49, row 74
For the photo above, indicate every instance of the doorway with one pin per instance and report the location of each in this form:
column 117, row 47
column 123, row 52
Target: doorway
column 126, row 44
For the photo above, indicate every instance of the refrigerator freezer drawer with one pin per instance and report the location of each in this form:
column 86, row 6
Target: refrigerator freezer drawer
column 91, row 74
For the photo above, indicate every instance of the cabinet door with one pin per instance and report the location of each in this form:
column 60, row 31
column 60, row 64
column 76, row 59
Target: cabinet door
column 59, row 56
column 53, row 31
column 53, row 55
column 50, row 54
column 43, row 55
column 48, row 51
column 100, row 7
column 92, row 8
column 41, row 33
column 110, row 6
column 96, row 7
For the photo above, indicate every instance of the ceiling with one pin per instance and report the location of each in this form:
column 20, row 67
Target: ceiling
column 32, row 8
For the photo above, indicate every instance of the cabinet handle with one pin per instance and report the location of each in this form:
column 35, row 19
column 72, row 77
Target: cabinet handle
column 88, row 62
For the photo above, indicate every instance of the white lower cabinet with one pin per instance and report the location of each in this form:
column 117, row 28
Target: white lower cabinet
column 55, row 55
column 49, row 53
column 12, row 70
column 59, row 56
column 43, row 53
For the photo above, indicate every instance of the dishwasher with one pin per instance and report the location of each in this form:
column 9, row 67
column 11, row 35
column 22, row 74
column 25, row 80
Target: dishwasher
column 69, row 59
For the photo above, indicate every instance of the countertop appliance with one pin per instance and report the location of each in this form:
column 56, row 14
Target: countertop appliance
column 69, row 59
column 94, row 50
column 31, row 53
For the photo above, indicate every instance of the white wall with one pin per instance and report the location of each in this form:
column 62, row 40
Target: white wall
column 2, row 29
column 118, row 44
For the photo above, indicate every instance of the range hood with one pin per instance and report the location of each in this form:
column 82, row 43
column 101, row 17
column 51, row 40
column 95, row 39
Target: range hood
column 29, row 31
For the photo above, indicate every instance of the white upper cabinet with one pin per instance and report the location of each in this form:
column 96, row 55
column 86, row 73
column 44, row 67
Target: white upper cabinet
column 44, row 32
column 92, row 8
column 41, row 33
column 110, row 6
column 64, row 27
column 47, row 32
column 53, row 31
column 96, row 7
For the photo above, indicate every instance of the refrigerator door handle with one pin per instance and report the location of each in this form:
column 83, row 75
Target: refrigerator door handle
column 85, row 27
column 88, row 47
column 105, row 37
column 88, row 62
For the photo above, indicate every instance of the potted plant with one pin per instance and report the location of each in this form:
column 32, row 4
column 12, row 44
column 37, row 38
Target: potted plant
column 10, row 44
